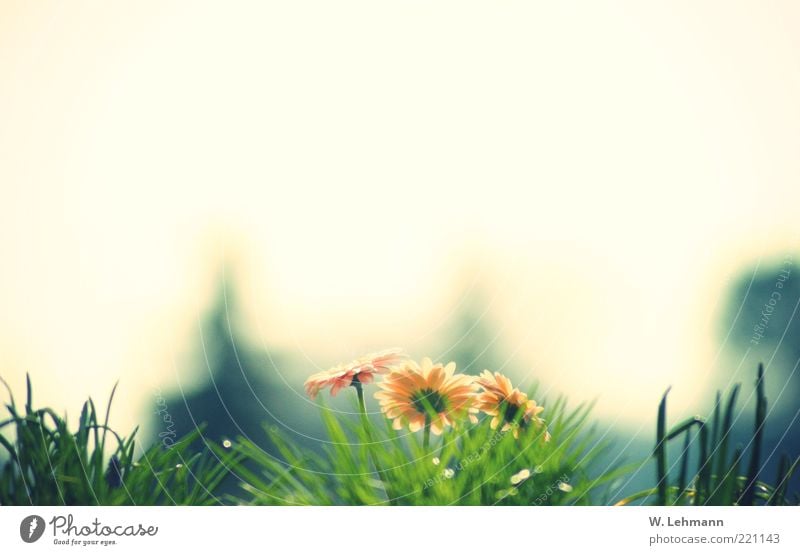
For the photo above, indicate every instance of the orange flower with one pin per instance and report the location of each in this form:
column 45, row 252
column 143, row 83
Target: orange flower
column 362, row 370
column 507, row 404
column 412, row 394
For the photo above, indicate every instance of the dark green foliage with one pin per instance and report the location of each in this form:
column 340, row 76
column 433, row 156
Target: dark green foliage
column 49, row 464
column 717, row 479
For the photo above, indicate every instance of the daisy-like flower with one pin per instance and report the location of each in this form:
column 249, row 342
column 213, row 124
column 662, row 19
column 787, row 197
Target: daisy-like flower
column 360, row 371
column 430, row 394
column 507, row 405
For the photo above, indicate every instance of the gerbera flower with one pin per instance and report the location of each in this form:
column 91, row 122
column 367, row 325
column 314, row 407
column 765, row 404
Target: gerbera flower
column 431, row 395
column 507, row 405
column 361, row 371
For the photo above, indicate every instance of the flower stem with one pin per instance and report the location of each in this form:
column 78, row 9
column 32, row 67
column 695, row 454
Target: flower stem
column 426, row 438
column 362, row 408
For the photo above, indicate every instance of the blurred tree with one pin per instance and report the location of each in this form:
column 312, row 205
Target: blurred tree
column 241, row 387
column 762, row 320
column 473, row 339
column 762, row 324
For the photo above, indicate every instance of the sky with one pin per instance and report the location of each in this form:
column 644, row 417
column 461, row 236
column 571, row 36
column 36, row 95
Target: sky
column 602, row 171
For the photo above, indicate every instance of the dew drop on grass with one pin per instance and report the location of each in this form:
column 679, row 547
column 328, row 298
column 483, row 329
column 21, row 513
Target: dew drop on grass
column 565, row 487
column 503, row 493
column 178, row 466
column 449, row 473
column 520, row 476
column 226, row 443
column 435, row 460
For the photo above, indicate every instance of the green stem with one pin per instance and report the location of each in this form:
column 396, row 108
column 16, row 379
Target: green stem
column 443, row 445
column 426, row 438
column 362, row 408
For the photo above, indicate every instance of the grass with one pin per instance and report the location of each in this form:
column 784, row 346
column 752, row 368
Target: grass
column 373, row 464
column 717, row 477
column 363, row 461
column 47, row 464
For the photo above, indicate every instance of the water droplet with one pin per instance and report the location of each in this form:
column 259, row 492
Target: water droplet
column 503, row 493
column 436, row 460
column 179, row 466
column 520, row 476
column 449, row 473
column 565, row 487
column 226, row 443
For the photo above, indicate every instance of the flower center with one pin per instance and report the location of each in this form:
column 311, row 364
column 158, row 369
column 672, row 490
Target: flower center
column 428, row 401
column 511, row 414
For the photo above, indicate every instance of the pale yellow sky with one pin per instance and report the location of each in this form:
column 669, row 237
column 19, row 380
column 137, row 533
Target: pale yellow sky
column 603, row 169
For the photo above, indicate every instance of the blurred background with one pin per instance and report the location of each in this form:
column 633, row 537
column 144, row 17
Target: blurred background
column 208, row 202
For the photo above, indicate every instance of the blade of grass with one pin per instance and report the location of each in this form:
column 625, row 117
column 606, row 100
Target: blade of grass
column 785, row 472
column 684, row 426
column 661, row 450
column 758, row 437
column 704, row 468
column 29, row 394
column 722, row 464
column 715, row 431
column 683, row 474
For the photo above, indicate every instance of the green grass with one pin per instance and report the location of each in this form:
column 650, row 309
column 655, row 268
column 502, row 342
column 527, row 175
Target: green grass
column 719, row 476
column 363, row 461
column 474, row 465
column 48, row 464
